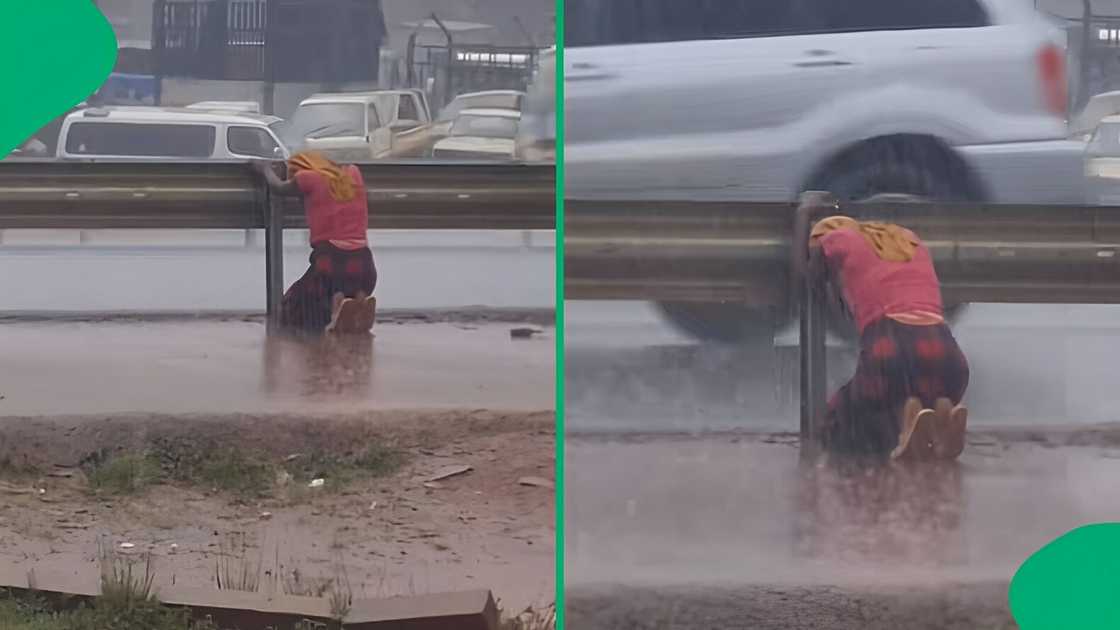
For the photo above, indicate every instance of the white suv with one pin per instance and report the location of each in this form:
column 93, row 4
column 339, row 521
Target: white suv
column 758, row 100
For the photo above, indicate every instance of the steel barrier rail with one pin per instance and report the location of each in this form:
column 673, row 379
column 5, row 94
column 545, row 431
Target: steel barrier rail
column 726, row 252
column 224, row 195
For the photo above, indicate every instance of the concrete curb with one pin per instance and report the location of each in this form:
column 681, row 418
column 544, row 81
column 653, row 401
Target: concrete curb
column 465, row 610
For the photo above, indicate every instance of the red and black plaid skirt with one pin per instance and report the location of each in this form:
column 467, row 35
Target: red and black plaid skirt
column 307, row 303
column 896, row 361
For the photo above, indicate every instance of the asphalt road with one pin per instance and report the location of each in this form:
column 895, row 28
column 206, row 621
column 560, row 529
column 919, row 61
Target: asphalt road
column 192, row 271
column 627, row 370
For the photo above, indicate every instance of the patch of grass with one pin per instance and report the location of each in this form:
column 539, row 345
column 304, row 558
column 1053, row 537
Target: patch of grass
column 125, row 473
column 207, row 463
column 15, row 614
column 121, row 582
column 236, row 471
column 234, row 571
column 376, row 460
column 18, row 469
column 379, row 460
column 241, row 472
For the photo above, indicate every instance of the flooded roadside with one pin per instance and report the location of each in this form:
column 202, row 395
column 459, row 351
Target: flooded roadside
column 708, row 516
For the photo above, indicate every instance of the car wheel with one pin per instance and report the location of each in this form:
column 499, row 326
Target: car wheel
column 721, row 323
column 903, row 166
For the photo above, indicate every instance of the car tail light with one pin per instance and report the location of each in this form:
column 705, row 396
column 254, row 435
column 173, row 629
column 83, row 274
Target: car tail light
column 1052, row 73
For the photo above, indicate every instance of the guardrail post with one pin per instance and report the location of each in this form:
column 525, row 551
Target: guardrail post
column 811, row 344
column 274, row 257
column 813, row 370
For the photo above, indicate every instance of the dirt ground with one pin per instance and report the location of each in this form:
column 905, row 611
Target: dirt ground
column 394, row 535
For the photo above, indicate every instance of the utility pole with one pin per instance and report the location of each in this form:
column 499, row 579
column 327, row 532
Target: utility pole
column 1086, row 50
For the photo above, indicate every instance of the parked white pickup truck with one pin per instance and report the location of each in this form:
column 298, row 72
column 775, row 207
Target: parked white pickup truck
column 362, row 126
column 762, row 99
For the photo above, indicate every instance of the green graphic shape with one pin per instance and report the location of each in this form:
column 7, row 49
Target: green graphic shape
column 55, row 53
column 1072, row 582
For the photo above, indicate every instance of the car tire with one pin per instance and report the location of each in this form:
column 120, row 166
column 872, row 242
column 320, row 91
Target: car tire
column 897, row 165
column 721, row 322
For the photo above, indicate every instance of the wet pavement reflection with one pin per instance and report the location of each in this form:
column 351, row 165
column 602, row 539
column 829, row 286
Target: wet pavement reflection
column 745, row 509
column 212, row 366
column 316, row 366
column 909, row 514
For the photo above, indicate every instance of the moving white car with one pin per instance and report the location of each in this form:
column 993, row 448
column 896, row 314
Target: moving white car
column 480, row 134
column 164, row 133
column 762, row 99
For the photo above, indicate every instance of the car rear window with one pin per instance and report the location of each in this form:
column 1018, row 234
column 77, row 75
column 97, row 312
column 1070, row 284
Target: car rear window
column 140, row 140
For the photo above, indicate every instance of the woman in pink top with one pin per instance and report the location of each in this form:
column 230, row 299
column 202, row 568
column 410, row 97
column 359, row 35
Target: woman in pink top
column 904, row 400
column 336, row 293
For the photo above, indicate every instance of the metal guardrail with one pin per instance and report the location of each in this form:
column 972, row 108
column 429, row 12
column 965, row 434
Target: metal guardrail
column 110, row 195
column 725, row 252
column 227, row 195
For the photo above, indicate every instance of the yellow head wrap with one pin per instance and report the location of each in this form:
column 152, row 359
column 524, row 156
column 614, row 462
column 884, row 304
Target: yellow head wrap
column 892, row 243
column 341, row 186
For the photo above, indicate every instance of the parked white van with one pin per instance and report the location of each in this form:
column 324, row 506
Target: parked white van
column 162, row 133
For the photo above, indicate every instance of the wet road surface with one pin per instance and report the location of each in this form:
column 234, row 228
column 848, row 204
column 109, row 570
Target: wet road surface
column 693, row 530
column 627, row 370
column 76, row 368
column 685, row 510
column 194, row 271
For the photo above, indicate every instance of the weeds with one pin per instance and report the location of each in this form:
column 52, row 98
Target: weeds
column 376, row 460
column 241, row 472
column 235, row 471
column 127, row 601
column 127, row 473
column 209, row 464
column 120, row 585
column 234, row 571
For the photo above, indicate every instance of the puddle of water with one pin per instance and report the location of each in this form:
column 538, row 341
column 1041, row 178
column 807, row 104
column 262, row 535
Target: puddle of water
column 713, row 511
